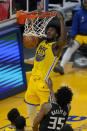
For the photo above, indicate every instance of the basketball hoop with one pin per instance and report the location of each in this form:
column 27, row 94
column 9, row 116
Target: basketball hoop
column 35, row 22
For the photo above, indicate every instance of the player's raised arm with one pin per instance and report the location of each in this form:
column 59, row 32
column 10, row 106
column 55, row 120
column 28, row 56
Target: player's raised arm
column 50, row 86
column 43, row 111
column 60, row 43
column 63, row 30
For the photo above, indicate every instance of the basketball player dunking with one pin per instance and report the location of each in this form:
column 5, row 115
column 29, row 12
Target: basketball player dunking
column 52, row 116
column 38, row 92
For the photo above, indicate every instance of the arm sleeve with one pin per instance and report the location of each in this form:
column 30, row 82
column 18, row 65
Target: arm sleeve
column 75, row 25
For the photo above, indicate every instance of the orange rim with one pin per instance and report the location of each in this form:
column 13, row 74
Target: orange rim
column 21, row 15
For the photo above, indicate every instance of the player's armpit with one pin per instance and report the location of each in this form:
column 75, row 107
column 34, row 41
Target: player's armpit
column 58, row 47
column 43, row 111
column 61, row 43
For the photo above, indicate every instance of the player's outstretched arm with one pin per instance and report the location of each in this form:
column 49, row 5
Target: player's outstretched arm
column 62, row 40
column 50, row 86
column 63, row 29
column 43, row 111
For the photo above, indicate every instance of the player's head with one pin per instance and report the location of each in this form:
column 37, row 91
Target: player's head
column 84, row 4
column 12, row 115
column 52, row 31
column 20, row 123
column 63, row 96
column 67, row 128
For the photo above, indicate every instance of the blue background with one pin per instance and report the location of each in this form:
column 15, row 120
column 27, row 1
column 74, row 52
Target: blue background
column 12, row 75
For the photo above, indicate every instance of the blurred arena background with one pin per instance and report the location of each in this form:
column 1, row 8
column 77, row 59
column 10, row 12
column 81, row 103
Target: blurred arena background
column 16, row 61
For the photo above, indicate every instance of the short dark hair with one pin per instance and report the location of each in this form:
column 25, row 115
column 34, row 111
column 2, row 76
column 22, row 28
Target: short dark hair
column 12, row 115
column 67, row 128
column 55, row 26
column 20, row 122
column 63, row 96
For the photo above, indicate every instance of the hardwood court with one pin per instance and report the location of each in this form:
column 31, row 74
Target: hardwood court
column 75, row 78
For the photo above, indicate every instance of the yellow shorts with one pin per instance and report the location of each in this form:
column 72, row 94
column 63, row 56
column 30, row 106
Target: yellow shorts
column 37, row 92
column 81, row 39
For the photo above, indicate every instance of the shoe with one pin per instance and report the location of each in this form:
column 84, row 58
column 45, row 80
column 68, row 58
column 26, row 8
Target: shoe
column 59, row 69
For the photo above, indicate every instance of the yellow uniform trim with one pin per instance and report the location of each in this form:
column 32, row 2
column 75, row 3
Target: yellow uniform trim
column 81, row 39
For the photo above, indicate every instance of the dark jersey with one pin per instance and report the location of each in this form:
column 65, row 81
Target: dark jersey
column 55, row 119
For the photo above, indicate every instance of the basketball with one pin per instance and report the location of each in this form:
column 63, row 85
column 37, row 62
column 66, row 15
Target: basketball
column 30, row 41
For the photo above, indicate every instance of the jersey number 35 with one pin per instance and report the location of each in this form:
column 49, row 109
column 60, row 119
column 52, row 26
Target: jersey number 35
column 56, row 123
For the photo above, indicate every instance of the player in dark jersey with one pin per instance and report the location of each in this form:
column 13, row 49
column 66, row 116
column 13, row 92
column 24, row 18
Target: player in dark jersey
column 67, row 128
column 53, row 115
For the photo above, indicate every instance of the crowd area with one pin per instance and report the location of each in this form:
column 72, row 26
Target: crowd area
column 16, row 5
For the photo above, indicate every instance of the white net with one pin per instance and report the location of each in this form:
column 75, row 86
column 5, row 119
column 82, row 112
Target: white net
column 37, row 26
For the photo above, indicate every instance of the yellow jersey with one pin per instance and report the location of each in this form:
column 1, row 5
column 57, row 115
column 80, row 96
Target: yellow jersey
column 44, row 60
column 9, row 129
